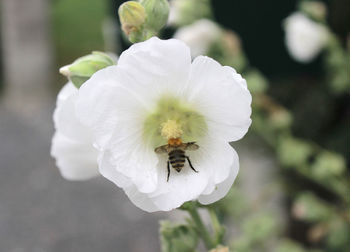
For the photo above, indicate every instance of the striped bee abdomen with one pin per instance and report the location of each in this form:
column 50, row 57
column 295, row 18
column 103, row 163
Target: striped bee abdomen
column 177, row 159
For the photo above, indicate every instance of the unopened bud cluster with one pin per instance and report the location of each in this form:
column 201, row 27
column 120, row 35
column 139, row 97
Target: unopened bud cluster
column 143, row 19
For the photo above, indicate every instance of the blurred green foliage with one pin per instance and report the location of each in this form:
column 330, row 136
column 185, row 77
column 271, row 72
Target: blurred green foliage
column 77, row 28
column 256, row 231
column 310, row 208
column 177, row 237
column 290, row 246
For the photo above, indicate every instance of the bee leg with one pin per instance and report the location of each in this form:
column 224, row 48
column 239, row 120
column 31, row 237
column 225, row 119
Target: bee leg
column 189, row 162
column 167, row 180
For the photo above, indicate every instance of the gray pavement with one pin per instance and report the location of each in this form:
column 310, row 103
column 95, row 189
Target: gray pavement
column 40, row 211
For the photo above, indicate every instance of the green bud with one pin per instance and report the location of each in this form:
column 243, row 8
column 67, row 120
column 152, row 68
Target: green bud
column 157, row 12
column 256, row 82
column 280, row 118
column 315, row 9
column 178, row 237
column 132, row 17
column 83, row 68
column 328, row 164
column 294, row 152
column 308, row 207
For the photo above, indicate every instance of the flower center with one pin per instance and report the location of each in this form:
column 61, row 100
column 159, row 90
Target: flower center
column 171, row 129
column 173, row 118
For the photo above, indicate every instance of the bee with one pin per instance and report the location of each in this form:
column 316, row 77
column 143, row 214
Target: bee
column 176, row 151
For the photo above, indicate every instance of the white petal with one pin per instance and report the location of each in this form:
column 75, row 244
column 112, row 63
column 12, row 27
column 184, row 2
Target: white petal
column 222, row 189
column 219, row 157
column 108, row 170
column 72, row 145
column 66, row 92
column 141, row 200
column 155, row 67
column 213, row 163
column 96, row 104
column 222, row 95
column 76, row 160
column 67, row 123
column 129, row 156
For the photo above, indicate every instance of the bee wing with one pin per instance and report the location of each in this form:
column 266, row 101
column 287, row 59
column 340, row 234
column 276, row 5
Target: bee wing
column 161, row 149
column 191, row 146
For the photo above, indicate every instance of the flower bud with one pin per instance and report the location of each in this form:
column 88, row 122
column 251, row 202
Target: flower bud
column 157, row 12
column 132, row 18
column 280, row 118
column 328, row 164
column 315, row 9
column 294, row 152
column 257, row 83
column 83, row 68
column 310, row 208
column 177, row 238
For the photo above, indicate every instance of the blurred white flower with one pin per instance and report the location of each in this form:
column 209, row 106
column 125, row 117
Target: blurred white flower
column 304, row 37
column 199, row 36
column 157, row 96
column 71, row 146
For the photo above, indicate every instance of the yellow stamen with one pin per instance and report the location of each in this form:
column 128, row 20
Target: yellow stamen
column 171, row 129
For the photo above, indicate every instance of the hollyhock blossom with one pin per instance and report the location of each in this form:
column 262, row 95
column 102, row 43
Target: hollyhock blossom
column 199, row 36
column 304, row 37
column 157, row 96
column 71, row 146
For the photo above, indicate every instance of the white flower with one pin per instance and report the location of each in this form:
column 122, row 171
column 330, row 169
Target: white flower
column 199, row 36
column 71, row 146
column 304, row 37
column 152, row 96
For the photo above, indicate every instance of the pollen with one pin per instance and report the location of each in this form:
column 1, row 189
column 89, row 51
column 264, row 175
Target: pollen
column 171, row 129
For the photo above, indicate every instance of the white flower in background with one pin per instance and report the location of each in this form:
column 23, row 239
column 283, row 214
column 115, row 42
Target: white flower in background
column 304, row 37
column 71, row 146
column 156, row 96
column 199, row 36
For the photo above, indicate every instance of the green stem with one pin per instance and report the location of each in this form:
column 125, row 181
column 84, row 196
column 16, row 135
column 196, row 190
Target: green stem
column 218, row 228
column 201, row 229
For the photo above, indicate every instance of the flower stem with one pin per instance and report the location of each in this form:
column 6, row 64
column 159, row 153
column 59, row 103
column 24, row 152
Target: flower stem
column 218, row 228
column 200, row 227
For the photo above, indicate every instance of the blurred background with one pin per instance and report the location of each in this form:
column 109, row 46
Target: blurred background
column 293, row 191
